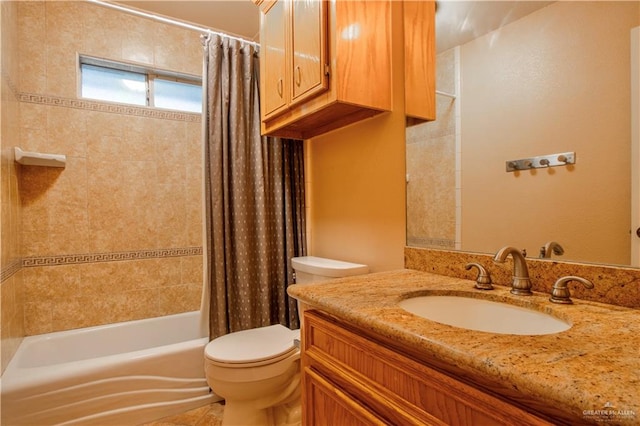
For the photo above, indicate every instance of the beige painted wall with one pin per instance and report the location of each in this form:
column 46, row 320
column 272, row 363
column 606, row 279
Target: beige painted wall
column 12, row 319
column 545, row 84
column 117, row 234
column 356, row 183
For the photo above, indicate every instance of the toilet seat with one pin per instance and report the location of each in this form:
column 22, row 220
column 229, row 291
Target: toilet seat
column 252, row 348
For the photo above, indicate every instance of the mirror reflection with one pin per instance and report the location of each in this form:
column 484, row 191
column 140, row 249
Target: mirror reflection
column 554, row 78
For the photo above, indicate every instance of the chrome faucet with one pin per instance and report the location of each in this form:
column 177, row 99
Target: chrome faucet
column 547, row 249
column 521, row 284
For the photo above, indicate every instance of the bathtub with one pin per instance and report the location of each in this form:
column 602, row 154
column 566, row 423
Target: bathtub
column 118, row 374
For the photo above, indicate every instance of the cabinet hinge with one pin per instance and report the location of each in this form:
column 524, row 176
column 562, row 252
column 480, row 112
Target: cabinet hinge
column 327, row 70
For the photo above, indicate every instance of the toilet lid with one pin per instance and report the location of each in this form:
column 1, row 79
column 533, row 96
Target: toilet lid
column 255, row 345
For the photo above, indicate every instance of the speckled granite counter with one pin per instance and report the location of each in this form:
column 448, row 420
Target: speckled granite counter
column 591, row 371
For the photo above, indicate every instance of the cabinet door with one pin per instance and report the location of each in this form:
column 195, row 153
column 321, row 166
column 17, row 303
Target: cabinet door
column 309, row 49
column 273, row 62
column 419, row 57
column 331, row 406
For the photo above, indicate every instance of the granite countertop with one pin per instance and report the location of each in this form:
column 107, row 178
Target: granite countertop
column 591, row 371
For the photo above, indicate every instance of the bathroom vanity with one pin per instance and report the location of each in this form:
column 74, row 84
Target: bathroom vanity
column 361, row 380
column 368, row 361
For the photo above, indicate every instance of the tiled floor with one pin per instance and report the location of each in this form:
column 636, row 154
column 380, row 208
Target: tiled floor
column 209, row 415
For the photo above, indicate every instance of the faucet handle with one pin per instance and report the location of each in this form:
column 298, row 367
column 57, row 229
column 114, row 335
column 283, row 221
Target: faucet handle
column 483, row 280
column 560, row 292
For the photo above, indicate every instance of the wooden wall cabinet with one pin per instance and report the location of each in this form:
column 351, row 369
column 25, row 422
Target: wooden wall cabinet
column 352, row 379
column 324, row 64
column 293, row 54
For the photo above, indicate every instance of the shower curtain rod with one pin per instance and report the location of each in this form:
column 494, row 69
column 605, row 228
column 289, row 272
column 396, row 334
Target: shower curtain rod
column 169, row 21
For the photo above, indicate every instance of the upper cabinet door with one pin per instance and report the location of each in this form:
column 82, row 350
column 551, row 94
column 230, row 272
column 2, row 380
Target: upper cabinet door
column 419, row 59
column 309, row 46
column 273, row 62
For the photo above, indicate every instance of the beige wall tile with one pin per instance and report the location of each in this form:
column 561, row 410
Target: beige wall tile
column 192, row 270
column 167, row 271
column 133, row 305
column 193, row 54
column 169, row 46
column 37, row 198
column 171, row 213
column 118, row 277
column 35, row 243
column 32, row 139
column 61, row 65
column 104, row 124
column 38, row 317
column 31, row 28
column 137, row 45
column 102, row 28
column 12, row 317
column 193, row 140
column 64, row 27
column 86, row 311
column 125, row 183
column 67, row 131
column 33, row 116
column 5, row 224
column 176, row 299
column 50, row 283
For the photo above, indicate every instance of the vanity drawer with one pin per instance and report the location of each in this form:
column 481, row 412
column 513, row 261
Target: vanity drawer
column 395, row 387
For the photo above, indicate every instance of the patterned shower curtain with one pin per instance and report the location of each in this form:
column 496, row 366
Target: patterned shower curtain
column 254, row 198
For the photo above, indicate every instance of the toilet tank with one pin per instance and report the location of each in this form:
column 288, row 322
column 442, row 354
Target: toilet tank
column 311, row 269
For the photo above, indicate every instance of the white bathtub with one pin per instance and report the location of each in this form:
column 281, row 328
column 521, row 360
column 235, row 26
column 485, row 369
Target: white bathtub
column 117, row 374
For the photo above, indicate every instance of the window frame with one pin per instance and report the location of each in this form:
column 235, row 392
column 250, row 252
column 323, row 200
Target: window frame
column 150, row 74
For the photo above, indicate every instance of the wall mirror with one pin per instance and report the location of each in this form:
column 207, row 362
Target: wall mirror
column 518, row 80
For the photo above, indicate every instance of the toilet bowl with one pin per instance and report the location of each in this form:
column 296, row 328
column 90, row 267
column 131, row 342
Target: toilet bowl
column 257, row 371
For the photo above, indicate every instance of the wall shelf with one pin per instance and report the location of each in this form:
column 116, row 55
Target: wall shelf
column 28, row 158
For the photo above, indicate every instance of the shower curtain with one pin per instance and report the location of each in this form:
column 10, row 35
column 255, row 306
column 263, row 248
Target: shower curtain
column 254, row 197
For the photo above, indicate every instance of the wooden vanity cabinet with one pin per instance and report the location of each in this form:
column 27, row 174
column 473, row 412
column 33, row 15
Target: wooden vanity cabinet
column 324, row 64
column 348, row 378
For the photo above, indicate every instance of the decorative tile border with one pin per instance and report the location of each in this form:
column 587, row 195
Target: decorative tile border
column 71, row 259
column 9, row 270
column 109, row 107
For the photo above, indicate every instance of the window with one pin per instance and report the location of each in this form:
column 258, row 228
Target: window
column 116, row 82
column 176, row 94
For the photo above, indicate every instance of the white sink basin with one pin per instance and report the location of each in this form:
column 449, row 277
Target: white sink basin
column 484, row 315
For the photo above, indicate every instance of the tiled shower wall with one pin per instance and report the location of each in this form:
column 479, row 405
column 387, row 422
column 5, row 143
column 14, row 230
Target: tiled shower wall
column 432, row 166
column 11, row 277
column 117, row 234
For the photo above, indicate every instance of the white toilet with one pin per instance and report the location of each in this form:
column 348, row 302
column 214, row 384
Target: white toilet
column 257, row 371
